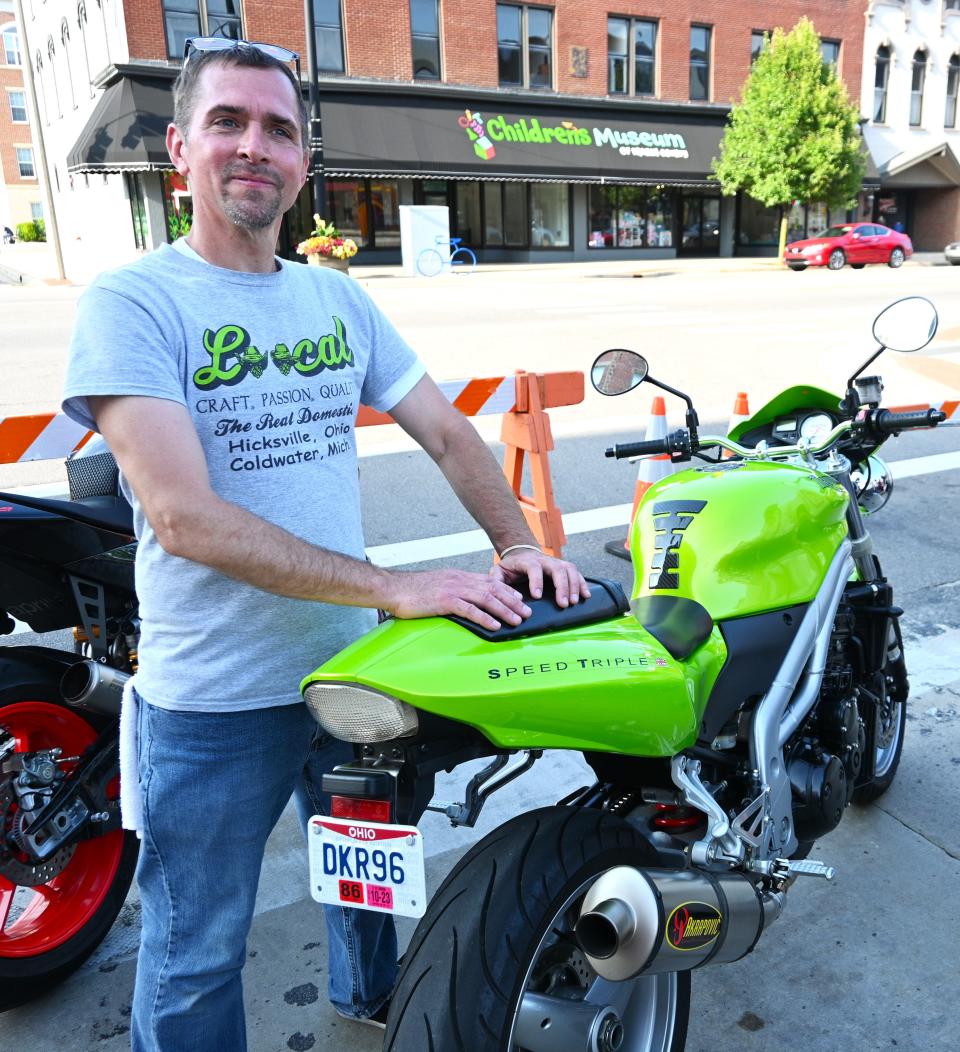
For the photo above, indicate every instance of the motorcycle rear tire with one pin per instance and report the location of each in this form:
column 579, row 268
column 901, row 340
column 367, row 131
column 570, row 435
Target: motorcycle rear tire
column 467, row 966
column 26, row 975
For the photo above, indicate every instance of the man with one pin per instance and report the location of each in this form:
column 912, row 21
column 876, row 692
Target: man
column 217, row 373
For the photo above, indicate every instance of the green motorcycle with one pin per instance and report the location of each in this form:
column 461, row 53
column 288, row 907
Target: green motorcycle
column 751, row 688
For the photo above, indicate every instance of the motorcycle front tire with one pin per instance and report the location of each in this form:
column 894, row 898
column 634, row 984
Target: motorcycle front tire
column 80, row 904
column 500, row 925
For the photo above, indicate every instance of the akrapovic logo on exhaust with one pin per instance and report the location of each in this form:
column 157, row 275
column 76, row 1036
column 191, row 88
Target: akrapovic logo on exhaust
column 693, row 925
column 670, row 519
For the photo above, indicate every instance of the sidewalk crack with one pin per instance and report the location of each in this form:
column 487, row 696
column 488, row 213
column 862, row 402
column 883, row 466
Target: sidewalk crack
column 923, row 836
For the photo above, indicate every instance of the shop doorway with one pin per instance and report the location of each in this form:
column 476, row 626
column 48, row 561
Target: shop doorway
column 699, row 225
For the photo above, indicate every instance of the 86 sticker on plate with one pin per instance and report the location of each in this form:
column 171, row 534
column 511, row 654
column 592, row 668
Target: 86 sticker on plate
column 367, row 865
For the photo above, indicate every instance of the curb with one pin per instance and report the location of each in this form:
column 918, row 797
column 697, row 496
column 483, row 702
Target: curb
column 17, row 277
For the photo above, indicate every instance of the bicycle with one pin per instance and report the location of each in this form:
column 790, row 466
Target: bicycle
column 462, row 260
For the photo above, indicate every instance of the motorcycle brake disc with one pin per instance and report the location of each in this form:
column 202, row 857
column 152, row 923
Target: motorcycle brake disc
column 24, row 873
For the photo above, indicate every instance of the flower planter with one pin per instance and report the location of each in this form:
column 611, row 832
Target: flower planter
column 315, row 259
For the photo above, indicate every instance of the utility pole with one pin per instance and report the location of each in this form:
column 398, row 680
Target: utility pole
column 53, row 230
column 317, row 182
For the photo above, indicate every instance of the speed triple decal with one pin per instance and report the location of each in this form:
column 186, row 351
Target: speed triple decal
column 670, row 519
column 693, row 925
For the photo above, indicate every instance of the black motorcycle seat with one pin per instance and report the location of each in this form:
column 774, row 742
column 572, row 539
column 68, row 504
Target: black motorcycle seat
column 606, row 601
column 679, row 625
column 113, row 514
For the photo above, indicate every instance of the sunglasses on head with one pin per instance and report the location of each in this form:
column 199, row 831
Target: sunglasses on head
column 282, row 54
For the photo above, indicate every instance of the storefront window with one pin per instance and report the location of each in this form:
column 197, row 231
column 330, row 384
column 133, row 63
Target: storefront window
column 468, row 213
column 759, row 225
column 630, row 216
column 602, row 210
column 515, row 213
column 493, row 212
column 347, row 210
column 818, row 219
column 659, row 232
column 797, row 222
column 385, row 213
column 549, row 215
column 138, row 211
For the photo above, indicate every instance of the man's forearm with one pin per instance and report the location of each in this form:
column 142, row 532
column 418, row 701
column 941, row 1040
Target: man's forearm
column 247, row 548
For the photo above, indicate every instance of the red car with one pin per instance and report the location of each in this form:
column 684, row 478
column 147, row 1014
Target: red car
column 855, row 243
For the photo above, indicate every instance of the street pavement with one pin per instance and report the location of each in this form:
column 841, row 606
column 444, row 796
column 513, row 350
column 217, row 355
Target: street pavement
column 866, row 963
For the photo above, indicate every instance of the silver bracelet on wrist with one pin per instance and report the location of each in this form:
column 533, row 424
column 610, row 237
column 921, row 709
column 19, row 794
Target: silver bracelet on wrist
column 515, row 547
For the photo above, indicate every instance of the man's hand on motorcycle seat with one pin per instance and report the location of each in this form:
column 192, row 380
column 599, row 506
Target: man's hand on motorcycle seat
column 485, row 600
column 524, row 561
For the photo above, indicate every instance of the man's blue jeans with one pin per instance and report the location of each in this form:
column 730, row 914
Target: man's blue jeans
column 214, row 785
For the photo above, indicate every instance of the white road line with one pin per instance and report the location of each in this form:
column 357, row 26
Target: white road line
column 429, row 549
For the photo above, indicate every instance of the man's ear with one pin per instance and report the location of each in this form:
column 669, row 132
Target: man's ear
column 176, row 141
column 305, row 169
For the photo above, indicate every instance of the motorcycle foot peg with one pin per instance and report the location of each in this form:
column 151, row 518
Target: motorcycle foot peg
column 810, row 867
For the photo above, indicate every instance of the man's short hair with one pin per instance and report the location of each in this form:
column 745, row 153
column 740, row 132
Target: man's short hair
column 243, row 55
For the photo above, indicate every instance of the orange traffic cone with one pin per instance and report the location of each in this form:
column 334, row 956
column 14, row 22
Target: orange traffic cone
column 652, row 469
column 741, row 412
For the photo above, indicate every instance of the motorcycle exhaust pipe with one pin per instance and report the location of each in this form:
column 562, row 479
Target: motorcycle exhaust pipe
column 645, row 921
column 90, row 685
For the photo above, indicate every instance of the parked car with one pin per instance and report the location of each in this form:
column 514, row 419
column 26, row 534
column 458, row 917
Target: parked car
column 952, row 252
column 855, row 243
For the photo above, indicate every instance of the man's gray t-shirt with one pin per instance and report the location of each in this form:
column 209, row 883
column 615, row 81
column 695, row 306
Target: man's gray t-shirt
column 272, row 368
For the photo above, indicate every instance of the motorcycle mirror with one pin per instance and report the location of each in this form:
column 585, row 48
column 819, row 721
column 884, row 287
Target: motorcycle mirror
column 617, row 371
column 906, row 325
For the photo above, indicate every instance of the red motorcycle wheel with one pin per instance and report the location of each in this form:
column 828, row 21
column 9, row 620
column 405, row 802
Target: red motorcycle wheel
column 49, row 930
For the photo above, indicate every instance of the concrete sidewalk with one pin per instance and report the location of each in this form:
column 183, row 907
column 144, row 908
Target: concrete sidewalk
column 35, row 264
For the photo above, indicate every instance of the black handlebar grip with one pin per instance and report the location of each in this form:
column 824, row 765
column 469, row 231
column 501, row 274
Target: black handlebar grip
column 888, row 423
column 639, row 449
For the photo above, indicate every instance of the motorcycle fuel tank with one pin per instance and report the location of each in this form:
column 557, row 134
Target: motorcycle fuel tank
column 739, row 538
column 608, row 686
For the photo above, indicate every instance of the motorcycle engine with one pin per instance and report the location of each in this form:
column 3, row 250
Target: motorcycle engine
column 827, row 755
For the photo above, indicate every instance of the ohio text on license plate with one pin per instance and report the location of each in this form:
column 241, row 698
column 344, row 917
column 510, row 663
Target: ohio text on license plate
column 368, row 865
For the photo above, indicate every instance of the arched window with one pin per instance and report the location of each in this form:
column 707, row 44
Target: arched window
column 51, row 53
column 82, row 25
column 65, row 40
column 916, row 86
column 38, row 66
column 953, row 82
column 880, row 84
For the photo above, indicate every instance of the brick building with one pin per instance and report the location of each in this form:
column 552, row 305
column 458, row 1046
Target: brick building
column 551, row 131
column 20, row 196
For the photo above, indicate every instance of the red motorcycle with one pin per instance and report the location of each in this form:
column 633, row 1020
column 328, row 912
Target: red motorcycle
column 65, row 863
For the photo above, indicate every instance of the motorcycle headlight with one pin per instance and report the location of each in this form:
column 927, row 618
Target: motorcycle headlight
column 873, row 483
column 360, row 714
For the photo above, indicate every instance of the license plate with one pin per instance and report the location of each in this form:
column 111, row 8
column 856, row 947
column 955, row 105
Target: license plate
column 367, row 865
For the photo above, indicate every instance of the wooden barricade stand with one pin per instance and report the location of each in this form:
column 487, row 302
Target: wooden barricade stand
column 526, row 432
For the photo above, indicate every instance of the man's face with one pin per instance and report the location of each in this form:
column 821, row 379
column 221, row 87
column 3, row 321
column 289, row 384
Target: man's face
column 242, row 153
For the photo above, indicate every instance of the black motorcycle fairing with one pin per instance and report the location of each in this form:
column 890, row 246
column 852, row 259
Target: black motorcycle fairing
column 679, row 625
column 103, row 513
column 606, row 601
column 756, row 647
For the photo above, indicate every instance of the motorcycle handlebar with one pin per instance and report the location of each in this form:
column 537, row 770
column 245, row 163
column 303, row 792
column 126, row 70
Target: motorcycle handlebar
column 885, row 422
column 638, row 449
column 678, row 442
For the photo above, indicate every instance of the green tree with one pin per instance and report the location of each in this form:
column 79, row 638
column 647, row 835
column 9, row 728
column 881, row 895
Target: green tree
column 794, row 136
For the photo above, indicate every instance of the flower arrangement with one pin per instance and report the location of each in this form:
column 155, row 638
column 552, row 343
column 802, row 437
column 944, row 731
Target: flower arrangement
column 325, row 240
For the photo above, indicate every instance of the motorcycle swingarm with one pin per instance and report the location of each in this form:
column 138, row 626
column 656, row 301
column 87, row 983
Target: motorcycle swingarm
column 79, row 810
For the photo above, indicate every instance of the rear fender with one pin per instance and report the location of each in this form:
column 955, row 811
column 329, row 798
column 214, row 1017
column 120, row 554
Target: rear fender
column 33, row 673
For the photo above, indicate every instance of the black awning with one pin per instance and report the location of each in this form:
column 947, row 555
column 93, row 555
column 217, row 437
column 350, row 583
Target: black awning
column 127, row 130
column 373, row 135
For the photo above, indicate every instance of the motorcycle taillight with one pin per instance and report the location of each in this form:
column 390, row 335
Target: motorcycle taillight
column 360, row 808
